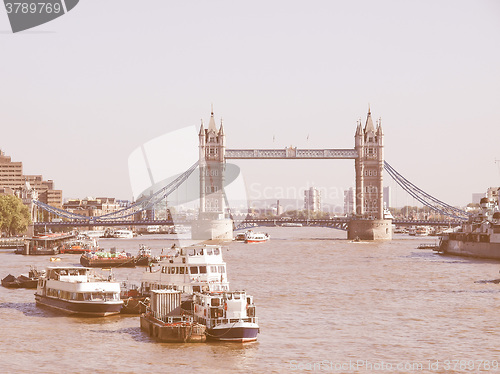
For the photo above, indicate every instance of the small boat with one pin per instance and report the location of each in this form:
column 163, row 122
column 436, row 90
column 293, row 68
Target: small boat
column 240, row 237
column 103, row 259
column 113, row 258
column 168, row 323
column 428, row 246
column 134, row 301
column 29, row 280
column 79, row 291
column 291, row 224
column 144, row 257
column 256, row 237
column 78, row 246
column 124, row 234
column 421, row 231
column 229, row 316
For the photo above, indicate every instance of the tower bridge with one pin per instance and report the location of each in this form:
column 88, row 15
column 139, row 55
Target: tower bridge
column 214, row 222
column 368, row 156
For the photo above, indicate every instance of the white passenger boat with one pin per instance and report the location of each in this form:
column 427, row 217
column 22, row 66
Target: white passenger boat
column 256, row 237
column 229, row 316
column 291, row 224
column 77, row 290
column 189, row 269
column 124, row 234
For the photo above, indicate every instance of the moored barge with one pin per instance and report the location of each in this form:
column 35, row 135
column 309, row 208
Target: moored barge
column 166, row 322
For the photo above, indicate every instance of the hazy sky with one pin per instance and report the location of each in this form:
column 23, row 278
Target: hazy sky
column 79, row 94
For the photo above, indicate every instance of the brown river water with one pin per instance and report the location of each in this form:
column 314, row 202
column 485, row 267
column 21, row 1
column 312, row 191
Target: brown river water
column 324, row 305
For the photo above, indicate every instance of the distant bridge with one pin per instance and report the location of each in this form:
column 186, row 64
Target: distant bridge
column 340, row 223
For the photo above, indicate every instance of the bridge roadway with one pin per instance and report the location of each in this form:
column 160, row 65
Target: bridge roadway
column 336, row 222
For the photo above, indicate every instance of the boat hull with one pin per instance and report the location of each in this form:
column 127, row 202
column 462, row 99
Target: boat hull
column 174, row 332
column 256, row 240
column 88, row 309
column 107, row 262
column 470, row 249
column 230, row 333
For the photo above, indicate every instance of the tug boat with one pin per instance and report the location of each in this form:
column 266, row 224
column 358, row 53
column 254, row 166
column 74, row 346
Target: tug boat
column 256, row 237
column 78, row 291
column 229, row 316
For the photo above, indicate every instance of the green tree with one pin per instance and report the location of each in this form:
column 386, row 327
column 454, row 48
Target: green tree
column 14, row 215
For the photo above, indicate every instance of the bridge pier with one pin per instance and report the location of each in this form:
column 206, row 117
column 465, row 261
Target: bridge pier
column 212, row 229
column 370, row 229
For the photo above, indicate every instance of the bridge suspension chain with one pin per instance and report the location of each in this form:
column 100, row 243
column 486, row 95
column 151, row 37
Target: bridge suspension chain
column 135, row 208
column 423, row 197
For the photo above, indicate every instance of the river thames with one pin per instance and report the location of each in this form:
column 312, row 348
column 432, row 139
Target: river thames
column 324, row 305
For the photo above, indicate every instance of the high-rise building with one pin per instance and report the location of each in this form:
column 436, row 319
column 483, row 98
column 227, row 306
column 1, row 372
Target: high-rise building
column 387, row 197
column 476, row 197
column 349, row 202
column 11, row 176
column 312, row 199
column 91, row 207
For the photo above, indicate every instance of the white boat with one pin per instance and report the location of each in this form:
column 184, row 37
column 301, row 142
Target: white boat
column 228, row 316
column 421, row 231
column 189, row 269
column 200, row 270
column 256, row 237
column 123, row 234
column 93, row 234
column 291, row 224
column 77, row 290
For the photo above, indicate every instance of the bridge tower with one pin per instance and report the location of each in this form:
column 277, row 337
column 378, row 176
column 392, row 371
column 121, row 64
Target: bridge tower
column 369, row 221
column 212, row 222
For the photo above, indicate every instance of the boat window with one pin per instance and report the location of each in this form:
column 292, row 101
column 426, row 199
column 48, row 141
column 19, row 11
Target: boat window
column 63, row 272
column 196, row 289
column 194, row 269
column 181, row 269
column 203, row 269
column 215, row 302
column 222, row 270
column 209, row 251
column 191, row 252
column 79, row 296
column 216, row 251
column 236, row 296
column 199, row 251
column 213, row 269
column 87, row 296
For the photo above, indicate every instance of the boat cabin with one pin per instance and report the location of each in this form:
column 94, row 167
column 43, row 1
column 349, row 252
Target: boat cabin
column 190, row 269
column 216, row 308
